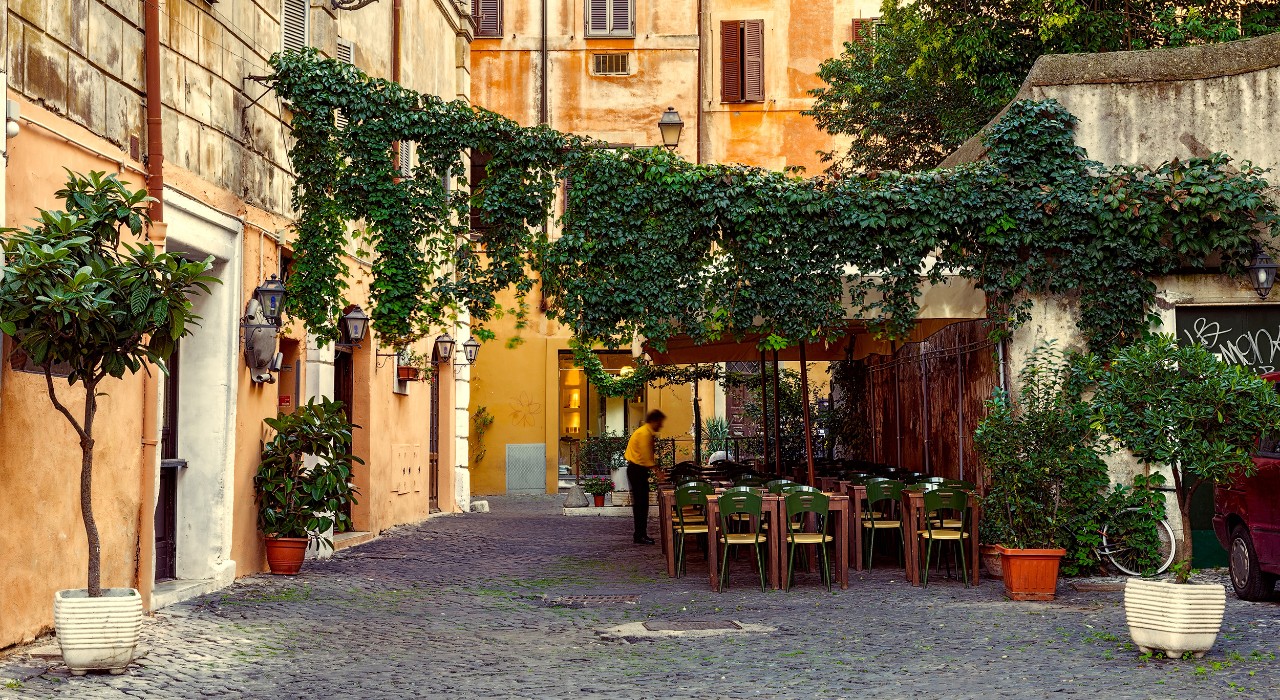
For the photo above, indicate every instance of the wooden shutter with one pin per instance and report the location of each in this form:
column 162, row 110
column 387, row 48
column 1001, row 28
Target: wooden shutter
column 731, row 61
column 295, row 21
column 597, row 17
column 405, row 159
column 620, row 22
column 753, row 60
column 488, row 18
column 347, row 54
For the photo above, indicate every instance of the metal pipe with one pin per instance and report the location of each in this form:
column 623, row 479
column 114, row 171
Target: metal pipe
column 804, row 411
column 697, row 424
column 764, row 408
column 924, row 412
column 397, row 9
column 155, row 111
column 701, row 94
column 777, row 420
column 544, row 116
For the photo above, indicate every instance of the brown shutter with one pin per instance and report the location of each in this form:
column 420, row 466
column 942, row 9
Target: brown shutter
column 597, row 17
column 488, row 18
column 731, row 61
column 753, row 60
column 862, row 30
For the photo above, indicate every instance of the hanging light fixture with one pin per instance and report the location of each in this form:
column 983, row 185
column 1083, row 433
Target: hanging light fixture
column 1262, row 271
column 670, row 125
column 444, row 348
column 470, row 348
column 356, row 323
column 270, row 296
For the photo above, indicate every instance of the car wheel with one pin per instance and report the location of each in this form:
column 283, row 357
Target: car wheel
column 1247, row 579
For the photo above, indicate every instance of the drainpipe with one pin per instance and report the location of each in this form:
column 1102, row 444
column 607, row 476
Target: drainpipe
column 544, row 96
column 697, row 158
column 145, row 574
column 397, row 9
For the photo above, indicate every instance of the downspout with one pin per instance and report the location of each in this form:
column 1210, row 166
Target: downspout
column 145, row 572
column 544, row 94
column 697, row 158
column 397, row 9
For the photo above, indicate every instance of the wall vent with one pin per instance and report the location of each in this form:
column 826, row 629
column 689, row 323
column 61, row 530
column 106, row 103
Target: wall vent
column 611, row 64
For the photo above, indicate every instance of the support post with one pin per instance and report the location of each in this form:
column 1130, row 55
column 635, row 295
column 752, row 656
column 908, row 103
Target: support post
column 804, row 411
column 764, row 408
column 777, row 421
column 697, row 425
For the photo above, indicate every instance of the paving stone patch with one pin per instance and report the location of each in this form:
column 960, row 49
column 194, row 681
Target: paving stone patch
column 458, row 607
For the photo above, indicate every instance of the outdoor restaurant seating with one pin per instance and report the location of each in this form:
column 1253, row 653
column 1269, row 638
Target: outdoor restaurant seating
column 937, row 529
column 882, row 498
column 690, row 499
column 742, row 505
column 800, row 504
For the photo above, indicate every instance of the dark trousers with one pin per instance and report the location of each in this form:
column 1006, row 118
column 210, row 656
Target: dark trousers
column 639, row 478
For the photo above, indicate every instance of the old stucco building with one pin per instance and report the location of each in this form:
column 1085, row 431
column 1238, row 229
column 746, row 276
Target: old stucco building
column 176, row 459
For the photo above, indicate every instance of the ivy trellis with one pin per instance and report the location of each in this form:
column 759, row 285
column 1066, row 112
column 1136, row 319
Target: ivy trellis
column 652, row 245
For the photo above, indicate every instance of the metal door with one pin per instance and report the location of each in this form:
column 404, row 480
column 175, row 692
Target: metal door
column 527, row 468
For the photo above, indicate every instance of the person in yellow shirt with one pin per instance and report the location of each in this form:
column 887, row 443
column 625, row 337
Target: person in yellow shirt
column 640, row 460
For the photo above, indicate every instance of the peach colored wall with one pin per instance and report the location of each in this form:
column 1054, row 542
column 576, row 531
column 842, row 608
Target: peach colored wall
column 44, row 543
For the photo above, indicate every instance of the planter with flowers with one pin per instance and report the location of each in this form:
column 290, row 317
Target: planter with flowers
column 412, row 366
column 597, row 486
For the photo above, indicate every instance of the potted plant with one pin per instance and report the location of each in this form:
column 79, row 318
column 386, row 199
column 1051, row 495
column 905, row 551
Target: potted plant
column 1183, row 408
column 597, row 486
column 84, row 297
column 412, row 366
column 304, row 482
column 1044, row 474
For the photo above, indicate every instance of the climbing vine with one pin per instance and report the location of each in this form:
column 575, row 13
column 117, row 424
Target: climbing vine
column 651, row 245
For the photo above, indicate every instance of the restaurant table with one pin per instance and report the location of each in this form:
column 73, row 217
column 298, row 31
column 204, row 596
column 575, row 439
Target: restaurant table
column 774, row 509
column 913, row 521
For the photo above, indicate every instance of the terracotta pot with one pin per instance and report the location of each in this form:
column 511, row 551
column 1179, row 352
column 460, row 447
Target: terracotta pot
column 285, row 554
column 599, row 498
column 1030, row 574
column 407, row 374
column 991, row 560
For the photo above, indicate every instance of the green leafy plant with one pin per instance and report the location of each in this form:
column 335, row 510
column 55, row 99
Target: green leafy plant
column 1181, row 407
column 408, row 357
column 1182, row 571
column 596, row 485
column 481, row 422
column 602, row 453
column 305, row 498
column 715, row 434
column 82, row 291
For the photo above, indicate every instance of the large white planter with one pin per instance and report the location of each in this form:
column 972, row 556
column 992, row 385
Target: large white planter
column 97, row 634
column 1174, row 618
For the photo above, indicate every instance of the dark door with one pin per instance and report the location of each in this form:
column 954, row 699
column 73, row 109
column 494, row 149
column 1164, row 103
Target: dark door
column 433, row 447
column 344, row 390
column 170, row 463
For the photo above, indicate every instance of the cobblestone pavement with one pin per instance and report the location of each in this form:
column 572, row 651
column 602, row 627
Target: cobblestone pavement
column 457, row 607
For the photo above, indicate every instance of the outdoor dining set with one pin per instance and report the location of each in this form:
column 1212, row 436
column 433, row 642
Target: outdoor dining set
column 829, row 527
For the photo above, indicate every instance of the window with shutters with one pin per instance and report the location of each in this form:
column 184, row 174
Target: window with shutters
column 610, row 18
column 864, row 29
column 742, row 61
column 347, row 54
column 404, row 160
column 478, row 173
column 611, row 64
column 295, row 24
column 488, row 17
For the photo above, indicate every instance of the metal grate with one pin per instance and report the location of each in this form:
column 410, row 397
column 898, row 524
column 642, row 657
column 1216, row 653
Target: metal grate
column 611, row 64
column 527, row 468
column 690, row 625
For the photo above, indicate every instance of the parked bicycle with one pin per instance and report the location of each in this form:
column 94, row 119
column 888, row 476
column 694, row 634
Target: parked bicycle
column 1122, row 536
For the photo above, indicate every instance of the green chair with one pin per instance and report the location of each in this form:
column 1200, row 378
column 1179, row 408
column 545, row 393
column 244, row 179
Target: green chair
column 884, row 497
column 777, row 485
column 688, row 501
column 697, row 515
column 749, row 480
column 936, row 503
column 741, row 505
column 931, row 480
column 958, row 484
column 805, row 488
column 799, row 506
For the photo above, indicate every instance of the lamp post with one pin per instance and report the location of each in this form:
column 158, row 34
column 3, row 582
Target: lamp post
column 669, row 126
column 444, row 348
column 1262, row 271
column 270, row 296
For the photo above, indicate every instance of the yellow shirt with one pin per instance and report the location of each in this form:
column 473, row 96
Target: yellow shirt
column 640, row 446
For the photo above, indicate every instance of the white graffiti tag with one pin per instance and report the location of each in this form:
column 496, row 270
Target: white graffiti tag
column 1257, row 349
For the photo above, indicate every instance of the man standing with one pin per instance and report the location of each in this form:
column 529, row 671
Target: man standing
column 640, row 460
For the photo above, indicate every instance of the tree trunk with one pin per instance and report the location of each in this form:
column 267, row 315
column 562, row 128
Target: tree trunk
column 1186, row 489
column 86, row 490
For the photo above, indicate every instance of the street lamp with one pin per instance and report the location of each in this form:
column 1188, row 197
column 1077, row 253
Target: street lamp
column 356, row 324
column 670, row 126
column 470, row 348
column 270, row 296
column 1263, row 271
column 444, row 348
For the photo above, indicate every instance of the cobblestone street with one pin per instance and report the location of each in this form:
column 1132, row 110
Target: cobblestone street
column 462, row 607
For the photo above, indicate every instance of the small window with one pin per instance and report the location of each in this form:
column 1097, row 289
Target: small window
column 295, row 25
column 864, row 29
column 479, row 172
column 347, row 54
column 488, row 18
column 404, row 160
column 611, row 64
column 742, row 61
column 610, row 18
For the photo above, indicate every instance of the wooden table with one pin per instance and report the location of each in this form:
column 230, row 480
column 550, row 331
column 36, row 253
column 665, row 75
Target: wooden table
column 857, row 494
column 775, row 544
column 913, row 522
column 666, row 501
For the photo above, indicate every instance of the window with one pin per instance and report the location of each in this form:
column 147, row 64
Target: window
column 864, row 29
column 347, row 54
column 479, row 171
column 295, row 24
column 611, row 64
column 488, row 17
column 742, row 61
column 404, row 160
column 610, row 18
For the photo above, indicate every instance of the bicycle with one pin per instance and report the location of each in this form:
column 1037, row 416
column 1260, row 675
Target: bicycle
column 1119, row 535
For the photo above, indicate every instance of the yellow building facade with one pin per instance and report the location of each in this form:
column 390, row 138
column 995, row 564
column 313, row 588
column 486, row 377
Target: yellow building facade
column 737, row 71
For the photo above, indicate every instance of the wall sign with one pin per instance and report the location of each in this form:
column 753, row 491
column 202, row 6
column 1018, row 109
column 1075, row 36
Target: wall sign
column 1241, row 335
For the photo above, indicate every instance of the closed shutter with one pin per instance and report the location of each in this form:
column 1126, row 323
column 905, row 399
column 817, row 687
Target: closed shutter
column 295, row 22
column 864, row 29
column 620, row 22
column 346, row 54
column 753, row 60
column 598, row 17
column 478, row 172
column 405, row 160
column 489, row 18
column 731, row 61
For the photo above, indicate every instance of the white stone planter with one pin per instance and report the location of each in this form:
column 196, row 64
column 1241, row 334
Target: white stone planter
column 1174, row 618
column 97, row 634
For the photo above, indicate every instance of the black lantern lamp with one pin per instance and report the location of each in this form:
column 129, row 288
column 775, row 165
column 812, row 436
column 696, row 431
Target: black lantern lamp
column 270, row 296
column 356, row 324
column 670, row 126
column 444, row 348
column 470, row 348
column 1262, row 271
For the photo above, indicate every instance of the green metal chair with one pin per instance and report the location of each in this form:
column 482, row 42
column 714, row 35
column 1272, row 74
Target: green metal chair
column 688, row 501
column 741, row 505
column 697, row 515
column 884, row 497
column 799, row 506
column 749, row 480
column 792, row 488
column 777, row 485
column 936, row 504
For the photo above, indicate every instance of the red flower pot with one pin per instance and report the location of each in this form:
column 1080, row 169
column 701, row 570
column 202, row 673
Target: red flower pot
column 1031, row 574
column 408, row 374
column 599, row 497
column 285, row 554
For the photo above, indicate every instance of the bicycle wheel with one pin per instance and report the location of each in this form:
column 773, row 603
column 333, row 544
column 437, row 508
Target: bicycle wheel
column 1120, row 539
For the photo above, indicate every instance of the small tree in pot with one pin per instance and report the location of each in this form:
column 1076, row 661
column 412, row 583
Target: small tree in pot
column 300, row 501
column 1183, row 408
column 81, row 298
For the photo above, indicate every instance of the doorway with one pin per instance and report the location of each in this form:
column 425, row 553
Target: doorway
column 167, row 499
column 433, row 448
column 344, row 390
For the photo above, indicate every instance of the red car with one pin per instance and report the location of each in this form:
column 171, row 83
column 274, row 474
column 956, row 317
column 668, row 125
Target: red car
column 1246, row 520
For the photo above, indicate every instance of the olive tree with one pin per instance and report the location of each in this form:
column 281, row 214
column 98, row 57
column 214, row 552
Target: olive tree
column 83, row 294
